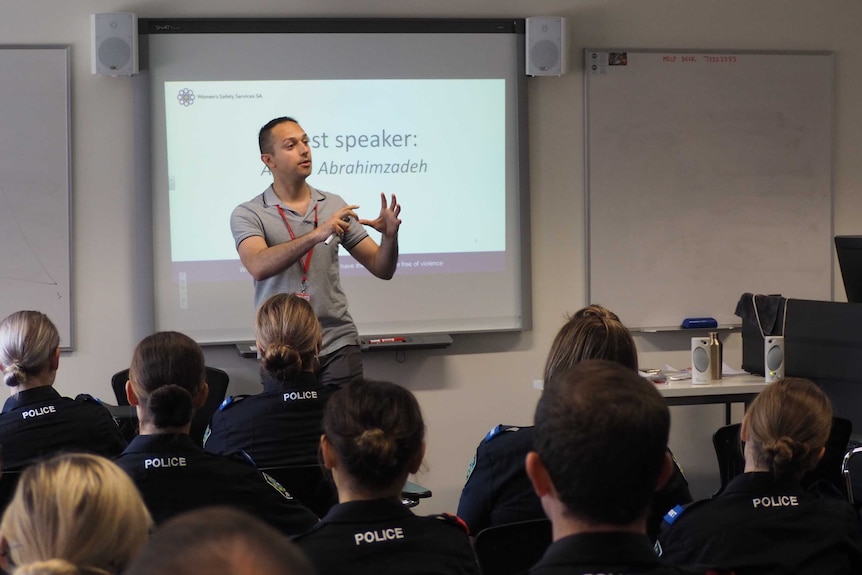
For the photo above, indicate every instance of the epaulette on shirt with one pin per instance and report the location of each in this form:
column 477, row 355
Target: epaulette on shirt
column 88, row 398
column 231, row 400
column 494, row 432
column 498, row 429
column 453, row 520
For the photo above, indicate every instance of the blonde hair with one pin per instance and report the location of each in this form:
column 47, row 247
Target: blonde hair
column 593, row 332
column 789, row 423
column 74, row 513
column 288, row 334
column 27, row 341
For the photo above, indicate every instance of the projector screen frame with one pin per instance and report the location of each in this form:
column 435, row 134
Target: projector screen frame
column 153, row 26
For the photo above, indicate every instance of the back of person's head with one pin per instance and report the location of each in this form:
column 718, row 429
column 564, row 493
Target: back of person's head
column 591, row 333
column 288, row 335
column 73, row 513
column 167, row 373
column 788, row 424
column 601, row 432
column 377, row 432
column 219, row 541
column 264, row 137
column 28, row 339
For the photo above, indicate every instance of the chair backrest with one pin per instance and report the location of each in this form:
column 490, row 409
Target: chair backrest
column 829, row 467
column 217, row 380
column 731, row 463
column 310, row 484
column 727, row 444
column 512, row 548
column 851, row 469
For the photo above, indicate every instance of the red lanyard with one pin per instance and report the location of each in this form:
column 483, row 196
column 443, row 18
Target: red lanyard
column 307, row 262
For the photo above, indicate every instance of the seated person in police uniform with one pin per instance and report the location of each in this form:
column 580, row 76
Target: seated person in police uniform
column 373, row 438
column 73, row 513
column 36, row 420
column 600, row 452
column 764, row 522
column 166, row 383
column 280, row 426
column 219, row 541
column 497, row 489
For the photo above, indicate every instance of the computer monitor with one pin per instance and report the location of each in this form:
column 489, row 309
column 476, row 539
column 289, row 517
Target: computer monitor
column 849, row 250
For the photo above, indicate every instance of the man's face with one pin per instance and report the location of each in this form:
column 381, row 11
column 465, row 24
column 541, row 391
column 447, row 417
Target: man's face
column 290, row 154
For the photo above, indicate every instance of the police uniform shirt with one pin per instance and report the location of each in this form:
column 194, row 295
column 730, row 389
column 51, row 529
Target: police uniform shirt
column 175, row 475
column 607, row 553
column 39, row 422
column 498, row 490
column 758, row 525
column 281, row 426
column 382, row 537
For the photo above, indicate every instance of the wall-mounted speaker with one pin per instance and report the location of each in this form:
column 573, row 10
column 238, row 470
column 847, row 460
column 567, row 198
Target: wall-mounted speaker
column 547, row 46
column 114, row 44
column 700, row 360
column 773, row 357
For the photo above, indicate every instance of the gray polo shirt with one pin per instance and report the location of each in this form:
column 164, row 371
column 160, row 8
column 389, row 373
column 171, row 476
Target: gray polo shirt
column 260, row 217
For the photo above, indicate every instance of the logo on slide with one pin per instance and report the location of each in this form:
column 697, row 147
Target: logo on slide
column 186, row 97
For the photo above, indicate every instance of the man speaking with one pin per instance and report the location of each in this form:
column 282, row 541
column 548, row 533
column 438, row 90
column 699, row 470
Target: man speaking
column 284, row 238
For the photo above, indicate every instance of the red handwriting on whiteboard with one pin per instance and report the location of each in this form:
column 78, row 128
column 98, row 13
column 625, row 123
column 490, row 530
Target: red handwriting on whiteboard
column 667, row 58
column 720, row 59
column 689, row 59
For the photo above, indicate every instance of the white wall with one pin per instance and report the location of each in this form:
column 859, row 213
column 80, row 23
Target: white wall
column 482, row 379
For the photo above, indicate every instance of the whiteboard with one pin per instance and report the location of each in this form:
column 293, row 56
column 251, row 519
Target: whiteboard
column 35, row 183
column 708, row 174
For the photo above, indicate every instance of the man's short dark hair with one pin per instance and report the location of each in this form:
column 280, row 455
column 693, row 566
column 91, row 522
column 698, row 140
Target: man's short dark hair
column 264, row 137
column 601, row 432
column 219, row 541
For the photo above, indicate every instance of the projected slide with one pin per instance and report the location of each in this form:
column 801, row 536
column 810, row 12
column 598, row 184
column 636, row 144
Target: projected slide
column 439, row 145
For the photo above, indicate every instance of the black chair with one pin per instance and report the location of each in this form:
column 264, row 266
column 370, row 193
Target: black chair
column 313, row 486
column 728, row 452
column 412, row 493
column 828, row 471
column 310, row 484
column 217, row 380
column 851, row 469
column 512, row 548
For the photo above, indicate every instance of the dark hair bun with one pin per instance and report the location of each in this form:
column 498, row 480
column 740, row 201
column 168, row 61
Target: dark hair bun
column 282, row 361
column 170, row 406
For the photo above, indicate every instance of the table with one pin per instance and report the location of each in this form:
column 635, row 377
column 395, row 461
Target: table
column 728, row 390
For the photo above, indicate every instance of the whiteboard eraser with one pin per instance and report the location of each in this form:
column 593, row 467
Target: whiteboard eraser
column 699, row 322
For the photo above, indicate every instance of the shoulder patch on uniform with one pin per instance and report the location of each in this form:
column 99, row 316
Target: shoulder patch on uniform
column 87, row 397
column 672, row 515
column 453, row 520
column 498, row 429
column 276, row 485
column 471, row 467
column 231, row 400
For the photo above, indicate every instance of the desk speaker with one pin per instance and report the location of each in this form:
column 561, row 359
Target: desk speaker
column 114, row 44
column 773, row 357
column 546, row 46
column 700, row 360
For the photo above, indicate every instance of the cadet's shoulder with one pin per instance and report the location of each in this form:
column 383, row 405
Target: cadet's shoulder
column 444, row 524
column 231, row 402
column 503, row 436
column 684, row 513
column 84, row 402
